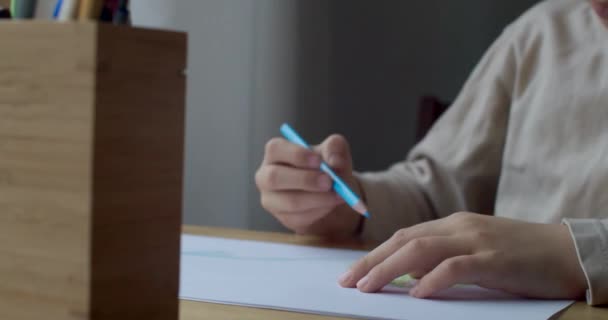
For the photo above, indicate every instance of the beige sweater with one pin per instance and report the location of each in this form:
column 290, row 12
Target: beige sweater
column 527, row 138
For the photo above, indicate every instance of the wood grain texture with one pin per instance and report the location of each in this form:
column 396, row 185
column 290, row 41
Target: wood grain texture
column 137, row 178
column 91, row 153
column 192, row 310
column 46, row 112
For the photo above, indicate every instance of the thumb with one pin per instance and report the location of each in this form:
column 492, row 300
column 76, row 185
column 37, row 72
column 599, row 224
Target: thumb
column 336, row 152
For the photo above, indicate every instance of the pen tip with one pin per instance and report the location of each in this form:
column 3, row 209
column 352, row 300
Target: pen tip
column 361, row 208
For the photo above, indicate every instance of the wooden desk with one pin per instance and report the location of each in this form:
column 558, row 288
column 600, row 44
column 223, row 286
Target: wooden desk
column 190, row 310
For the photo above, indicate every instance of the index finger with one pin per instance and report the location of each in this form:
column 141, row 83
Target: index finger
column 464, row 269
column 421, row 253
column 281, row 151
column 386, row 249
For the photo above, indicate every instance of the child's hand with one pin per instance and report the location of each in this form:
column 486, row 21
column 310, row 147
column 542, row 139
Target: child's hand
column 528, row 259
column 299, row 195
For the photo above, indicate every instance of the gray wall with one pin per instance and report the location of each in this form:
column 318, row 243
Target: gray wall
column 356, row 67
column 220, row 91
column 242, row 83
column 292, row 81
column 386, row 55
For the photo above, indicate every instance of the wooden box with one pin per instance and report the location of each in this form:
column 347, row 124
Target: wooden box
column 91, row 153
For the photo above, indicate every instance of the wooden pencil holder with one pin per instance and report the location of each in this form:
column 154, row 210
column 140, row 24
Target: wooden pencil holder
column 91, row 153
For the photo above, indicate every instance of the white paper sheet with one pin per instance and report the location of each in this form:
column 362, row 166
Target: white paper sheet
column 304, row 279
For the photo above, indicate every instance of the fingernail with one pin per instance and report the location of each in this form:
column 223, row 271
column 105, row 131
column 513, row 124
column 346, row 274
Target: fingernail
column 346, row 277
column 324, row 182
column 336, row 160
column 361, row 284
column 314, row 161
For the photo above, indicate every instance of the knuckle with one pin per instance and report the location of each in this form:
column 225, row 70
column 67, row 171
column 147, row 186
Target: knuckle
column 481, row 236
column 265, row 203
column 271, row 177
column 259, row 178
column 336, row 137
column 453, row 266
column 460, row 215
column 495, row 255
column 417, row 245
column 301, row 154
column 273, row 146
column 336, row 141
column 292, row 203
column 467, row 220
column 400, row 235
column 363, row 264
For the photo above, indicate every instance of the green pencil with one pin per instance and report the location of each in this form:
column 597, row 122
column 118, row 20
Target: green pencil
column 23, row 9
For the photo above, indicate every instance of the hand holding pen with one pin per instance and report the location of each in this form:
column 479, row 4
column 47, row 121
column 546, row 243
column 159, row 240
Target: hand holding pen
column 300, row 195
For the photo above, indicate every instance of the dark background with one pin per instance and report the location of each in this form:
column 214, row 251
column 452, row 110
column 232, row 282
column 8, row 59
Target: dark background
column 384, row 55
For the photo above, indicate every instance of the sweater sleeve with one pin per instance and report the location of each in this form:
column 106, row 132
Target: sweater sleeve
column 591, row 241
column 457, row 165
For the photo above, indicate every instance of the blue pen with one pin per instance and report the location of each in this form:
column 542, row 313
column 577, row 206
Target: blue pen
column 339, row 186
column 57, row 9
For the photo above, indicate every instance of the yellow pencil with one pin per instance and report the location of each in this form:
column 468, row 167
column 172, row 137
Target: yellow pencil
column 89, row 10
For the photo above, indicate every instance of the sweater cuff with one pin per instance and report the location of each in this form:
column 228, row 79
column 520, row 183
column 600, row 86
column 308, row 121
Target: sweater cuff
column 377, row 227
column 393, row 203
column 591, row 241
